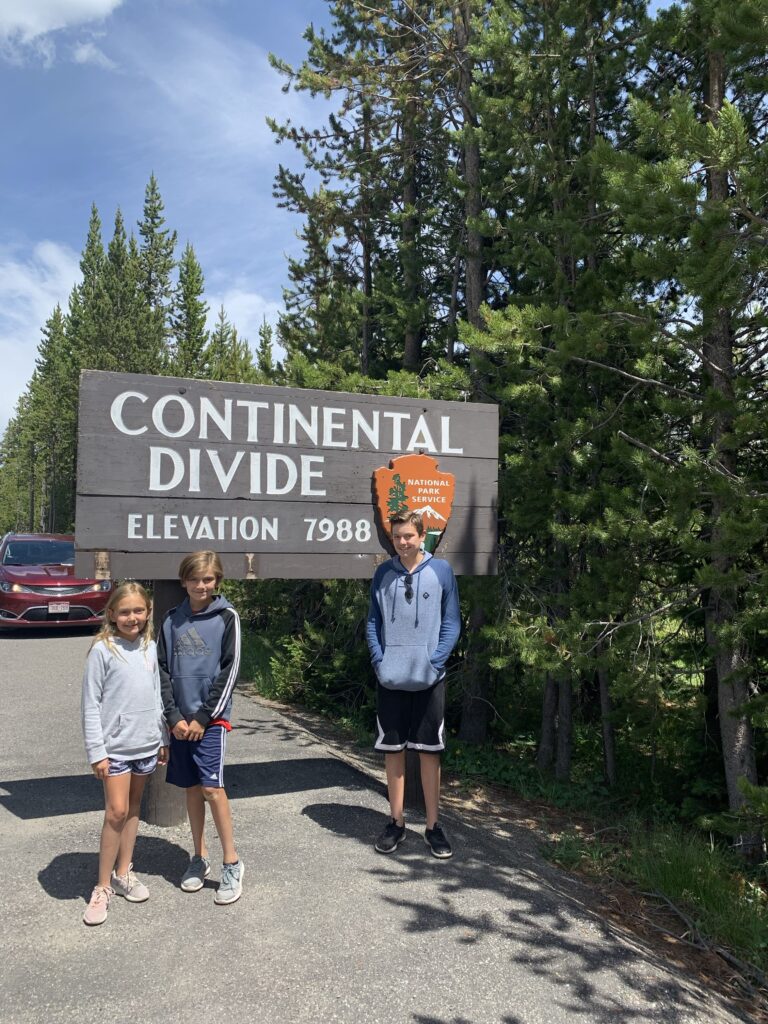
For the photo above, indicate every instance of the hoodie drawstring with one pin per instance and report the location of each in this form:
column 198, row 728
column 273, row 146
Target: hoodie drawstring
column 417, row 578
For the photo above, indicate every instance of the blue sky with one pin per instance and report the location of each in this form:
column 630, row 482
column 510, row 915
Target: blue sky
column 95, row 95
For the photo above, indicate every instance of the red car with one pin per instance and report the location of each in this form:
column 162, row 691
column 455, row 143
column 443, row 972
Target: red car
column 38, row 586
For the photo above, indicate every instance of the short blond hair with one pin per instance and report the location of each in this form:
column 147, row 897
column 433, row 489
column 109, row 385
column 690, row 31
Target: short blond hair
column 199, row 562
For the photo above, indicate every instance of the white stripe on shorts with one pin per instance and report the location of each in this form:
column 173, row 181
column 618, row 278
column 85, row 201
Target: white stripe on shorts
column 378, row 745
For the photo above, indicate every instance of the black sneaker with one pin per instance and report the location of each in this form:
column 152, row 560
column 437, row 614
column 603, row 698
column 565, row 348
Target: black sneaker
column 437, row 842
column 391, row 837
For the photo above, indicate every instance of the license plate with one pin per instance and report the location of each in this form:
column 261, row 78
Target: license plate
column 58, row 607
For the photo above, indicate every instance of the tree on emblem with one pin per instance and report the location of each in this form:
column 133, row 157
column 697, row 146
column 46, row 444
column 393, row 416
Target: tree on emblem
column 397, row 498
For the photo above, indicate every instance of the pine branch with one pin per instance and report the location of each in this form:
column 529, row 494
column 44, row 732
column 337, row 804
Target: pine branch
column 647, row 448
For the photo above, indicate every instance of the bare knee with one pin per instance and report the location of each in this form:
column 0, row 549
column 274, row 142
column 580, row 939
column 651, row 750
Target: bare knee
column 211, row 794
column 116, row 816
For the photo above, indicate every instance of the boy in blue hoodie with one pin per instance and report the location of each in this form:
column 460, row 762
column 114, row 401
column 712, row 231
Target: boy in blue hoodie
column 198, row 652
column 413, row 624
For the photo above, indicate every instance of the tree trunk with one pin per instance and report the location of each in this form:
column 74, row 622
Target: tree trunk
column 410, row 244
column 163, row 804
column 475, row 279
column 410, row 255
column 32, row 486
column 609, row 739
column 564, row 730
column 450, row 349
column 722, row 612
column 365, row 240
column 476, row 707
column 545, row 755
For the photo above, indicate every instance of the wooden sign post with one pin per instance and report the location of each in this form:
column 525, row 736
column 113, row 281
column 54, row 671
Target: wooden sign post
column 163, row 804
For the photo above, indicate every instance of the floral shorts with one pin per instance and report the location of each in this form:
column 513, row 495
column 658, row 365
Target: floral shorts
column 139, row 766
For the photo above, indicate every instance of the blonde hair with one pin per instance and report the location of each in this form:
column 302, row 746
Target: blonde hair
column 108, row 631
column 199, row 562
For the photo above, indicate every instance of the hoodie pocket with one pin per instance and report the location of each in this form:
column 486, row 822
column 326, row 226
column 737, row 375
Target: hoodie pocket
column 406, row 667
column 137, row 730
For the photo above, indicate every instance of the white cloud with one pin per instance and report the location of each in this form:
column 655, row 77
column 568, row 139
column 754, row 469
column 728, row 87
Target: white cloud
column 219, row 88
column 26, row 26
column 89, row 53
column 31, row 284
column 28, row 19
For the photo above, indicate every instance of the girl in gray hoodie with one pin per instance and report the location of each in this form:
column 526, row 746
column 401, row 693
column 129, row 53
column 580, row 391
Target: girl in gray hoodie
column 125, row 736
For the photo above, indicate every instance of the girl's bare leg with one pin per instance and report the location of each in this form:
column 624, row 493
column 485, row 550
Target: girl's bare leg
column 116, row 804
column 131, row 826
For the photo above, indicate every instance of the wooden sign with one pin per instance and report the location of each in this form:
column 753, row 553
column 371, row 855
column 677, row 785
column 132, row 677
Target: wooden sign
column 280, row 481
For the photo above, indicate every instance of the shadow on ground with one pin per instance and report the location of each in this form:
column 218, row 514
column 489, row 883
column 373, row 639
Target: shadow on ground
column 75, row 794
column 545, row 916
column 72, row 876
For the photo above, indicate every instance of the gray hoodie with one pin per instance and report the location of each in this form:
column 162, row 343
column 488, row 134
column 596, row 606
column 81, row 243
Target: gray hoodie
column 412, row 627
column 121, row 707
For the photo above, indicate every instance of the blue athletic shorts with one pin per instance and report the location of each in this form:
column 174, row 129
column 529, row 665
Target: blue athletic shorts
column 138, row 766
column 198, row 762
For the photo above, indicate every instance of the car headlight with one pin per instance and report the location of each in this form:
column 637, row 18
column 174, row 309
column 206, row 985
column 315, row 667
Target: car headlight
column 5, row 586
column 105, row 585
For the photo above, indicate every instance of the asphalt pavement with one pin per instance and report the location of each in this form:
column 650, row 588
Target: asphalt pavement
column 326, row 930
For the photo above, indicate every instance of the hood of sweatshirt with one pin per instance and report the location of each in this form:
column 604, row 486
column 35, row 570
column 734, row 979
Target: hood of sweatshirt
column 217, row 604
column 398, row 566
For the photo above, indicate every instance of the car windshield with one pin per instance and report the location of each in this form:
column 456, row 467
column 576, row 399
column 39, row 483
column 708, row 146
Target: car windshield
column 39, row 552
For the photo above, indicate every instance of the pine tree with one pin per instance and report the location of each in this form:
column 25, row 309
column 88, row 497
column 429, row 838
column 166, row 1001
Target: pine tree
column 379, row 227
column 156, row 262
column 227, row 356
column 689, row 203
column 539, row 106
column 188, row 319
column 49, row 422
column 265, row 360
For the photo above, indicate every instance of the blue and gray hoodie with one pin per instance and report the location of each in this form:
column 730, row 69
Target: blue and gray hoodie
column 411, row 638
column 199, row 658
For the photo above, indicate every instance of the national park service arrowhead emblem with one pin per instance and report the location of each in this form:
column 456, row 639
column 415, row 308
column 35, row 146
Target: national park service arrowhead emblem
column 413, row 483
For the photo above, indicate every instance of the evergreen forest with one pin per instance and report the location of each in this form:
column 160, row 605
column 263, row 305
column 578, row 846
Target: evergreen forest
column 559, row 206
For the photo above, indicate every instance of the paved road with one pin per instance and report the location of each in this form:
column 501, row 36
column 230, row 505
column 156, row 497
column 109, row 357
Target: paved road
column 327, row 930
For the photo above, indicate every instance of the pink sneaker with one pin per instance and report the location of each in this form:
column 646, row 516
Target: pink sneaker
column 96, row 911
column 129, row 886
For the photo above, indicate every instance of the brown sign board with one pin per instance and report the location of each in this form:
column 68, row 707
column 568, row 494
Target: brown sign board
column 279, row 481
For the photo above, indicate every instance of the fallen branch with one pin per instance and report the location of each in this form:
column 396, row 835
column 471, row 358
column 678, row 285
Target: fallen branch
column 744, row 968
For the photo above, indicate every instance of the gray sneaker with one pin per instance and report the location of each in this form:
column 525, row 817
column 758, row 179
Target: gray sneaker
column 197, row 871
column 96, row 911
column 231, row 885
column 129, row 886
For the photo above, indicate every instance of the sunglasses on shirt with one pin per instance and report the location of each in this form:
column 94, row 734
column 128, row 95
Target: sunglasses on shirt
column 408, row 581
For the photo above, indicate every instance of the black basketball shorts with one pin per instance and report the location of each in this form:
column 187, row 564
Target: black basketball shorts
column 410, row 718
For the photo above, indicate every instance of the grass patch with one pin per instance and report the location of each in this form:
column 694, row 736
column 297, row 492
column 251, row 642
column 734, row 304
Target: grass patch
column 255, row 656
column 708, row 886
